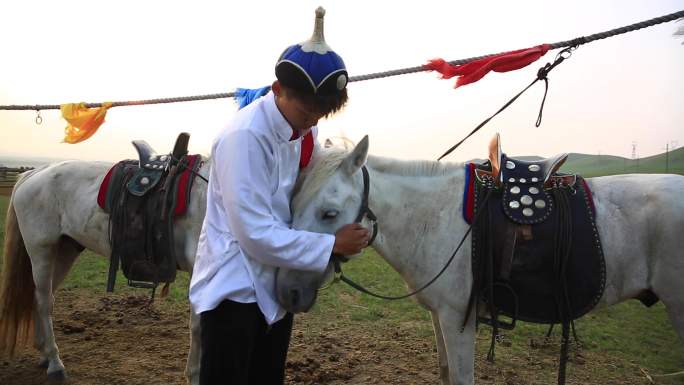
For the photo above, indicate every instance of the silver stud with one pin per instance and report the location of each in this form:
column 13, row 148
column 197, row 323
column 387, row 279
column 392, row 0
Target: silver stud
column 514, row 204
column 510, row 165
column 534, row 167
column 527, row 212
column 526, row 200
column 539, row 203
column 535, row 179
column 534, row 190
column 163, row 158
column 515, row 190
column 144, row 180
column 523, row 180
column 341, row 82
column 147, row 165
column 153, row 158
column 512, row 180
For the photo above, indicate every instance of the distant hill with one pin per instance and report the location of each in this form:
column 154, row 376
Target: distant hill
column 597, row 165
column 26, row 161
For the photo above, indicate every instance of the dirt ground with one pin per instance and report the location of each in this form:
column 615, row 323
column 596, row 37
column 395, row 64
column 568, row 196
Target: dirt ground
column 119, row 340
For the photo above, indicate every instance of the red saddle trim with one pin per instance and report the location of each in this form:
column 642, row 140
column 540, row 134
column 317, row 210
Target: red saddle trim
column 469, row 193
column 184, row 186
column 102, row 193
column 589, row 196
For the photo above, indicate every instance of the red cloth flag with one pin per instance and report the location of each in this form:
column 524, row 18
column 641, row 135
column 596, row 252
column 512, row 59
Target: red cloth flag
column 476, row 70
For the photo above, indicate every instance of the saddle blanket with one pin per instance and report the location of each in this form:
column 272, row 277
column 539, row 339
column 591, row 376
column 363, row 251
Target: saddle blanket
column 114, row 177
column 535, row 266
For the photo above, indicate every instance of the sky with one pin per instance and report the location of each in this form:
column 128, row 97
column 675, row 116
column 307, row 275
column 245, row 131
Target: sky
column 610, row 95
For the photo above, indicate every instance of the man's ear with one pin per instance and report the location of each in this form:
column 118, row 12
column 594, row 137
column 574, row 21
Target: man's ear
column 357, row 158
column 276, row 88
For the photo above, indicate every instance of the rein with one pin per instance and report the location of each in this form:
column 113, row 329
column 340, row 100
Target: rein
column 337, row 260
column 185, row 167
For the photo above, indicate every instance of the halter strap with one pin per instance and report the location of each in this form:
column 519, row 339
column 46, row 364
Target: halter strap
column 365, row 210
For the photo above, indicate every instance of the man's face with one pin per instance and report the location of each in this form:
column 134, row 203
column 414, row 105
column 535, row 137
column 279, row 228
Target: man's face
column 301, row 116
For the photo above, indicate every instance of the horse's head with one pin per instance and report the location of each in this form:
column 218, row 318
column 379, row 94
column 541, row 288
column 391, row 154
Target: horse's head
column 328, row 196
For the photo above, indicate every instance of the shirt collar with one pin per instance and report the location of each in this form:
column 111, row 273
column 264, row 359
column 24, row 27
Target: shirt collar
column 284, row 132
column 281, row 127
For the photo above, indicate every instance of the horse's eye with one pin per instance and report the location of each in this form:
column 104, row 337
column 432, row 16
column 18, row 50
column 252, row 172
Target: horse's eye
column 330, row 214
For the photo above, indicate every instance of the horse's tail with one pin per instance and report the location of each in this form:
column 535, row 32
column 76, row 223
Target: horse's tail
column 16, row 287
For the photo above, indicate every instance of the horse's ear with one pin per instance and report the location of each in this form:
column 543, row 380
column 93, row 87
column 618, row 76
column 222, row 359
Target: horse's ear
column 356, row 158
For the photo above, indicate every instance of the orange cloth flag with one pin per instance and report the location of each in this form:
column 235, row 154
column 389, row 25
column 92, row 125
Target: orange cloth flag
column 83, row 121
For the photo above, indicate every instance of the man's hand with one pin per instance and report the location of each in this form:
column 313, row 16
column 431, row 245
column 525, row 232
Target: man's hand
column 351, row 239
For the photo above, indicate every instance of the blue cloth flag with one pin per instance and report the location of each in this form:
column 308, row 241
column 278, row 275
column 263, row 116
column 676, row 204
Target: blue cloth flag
column 245, row 96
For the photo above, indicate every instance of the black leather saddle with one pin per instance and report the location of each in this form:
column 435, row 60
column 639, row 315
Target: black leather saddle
column 141, row 201
column 537, row 255
column 536, row 252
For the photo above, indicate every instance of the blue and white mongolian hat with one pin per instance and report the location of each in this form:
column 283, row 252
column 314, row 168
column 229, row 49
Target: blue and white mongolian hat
column 312, row 66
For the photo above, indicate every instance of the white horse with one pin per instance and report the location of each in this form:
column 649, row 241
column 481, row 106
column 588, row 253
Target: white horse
column 418, row 206
column 52, row 216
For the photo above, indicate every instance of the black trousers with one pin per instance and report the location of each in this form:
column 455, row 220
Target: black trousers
column 239, row 348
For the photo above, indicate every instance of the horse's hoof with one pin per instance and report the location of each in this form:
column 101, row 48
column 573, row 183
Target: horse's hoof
column 58, row 376
column 44, row 363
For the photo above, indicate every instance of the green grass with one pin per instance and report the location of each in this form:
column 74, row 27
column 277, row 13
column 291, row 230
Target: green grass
column 627, row 336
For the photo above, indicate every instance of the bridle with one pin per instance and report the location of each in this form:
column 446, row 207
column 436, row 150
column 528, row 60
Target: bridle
column 366, row 212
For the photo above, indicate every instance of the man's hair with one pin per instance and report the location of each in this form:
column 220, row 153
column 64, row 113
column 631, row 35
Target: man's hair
column 327, row 104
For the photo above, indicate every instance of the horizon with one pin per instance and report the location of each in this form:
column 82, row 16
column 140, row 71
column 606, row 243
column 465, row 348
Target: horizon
column 40, row 160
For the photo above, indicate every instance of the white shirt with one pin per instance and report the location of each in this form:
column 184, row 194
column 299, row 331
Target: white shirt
column 246, row 233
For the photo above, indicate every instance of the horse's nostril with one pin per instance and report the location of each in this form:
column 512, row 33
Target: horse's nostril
column 294, row 297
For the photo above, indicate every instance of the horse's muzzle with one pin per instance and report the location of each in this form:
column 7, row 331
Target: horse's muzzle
column 295, row 292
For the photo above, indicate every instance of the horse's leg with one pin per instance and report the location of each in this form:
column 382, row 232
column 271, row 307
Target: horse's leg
column 460, row 346
column 668, row 286
column 676, row 313
column 39, row 339
column 43, row 261
column 441, row 350
column 68, row 252
column 192, row 368
column 666, row 271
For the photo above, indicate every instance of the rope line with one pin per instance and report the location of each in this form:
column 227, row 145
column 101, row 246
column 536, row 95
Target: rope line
column 376, row 75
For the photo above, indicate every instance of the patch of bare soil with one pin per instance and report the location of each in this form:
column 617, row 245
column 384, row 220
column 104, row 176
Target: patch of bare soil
column 122, row 340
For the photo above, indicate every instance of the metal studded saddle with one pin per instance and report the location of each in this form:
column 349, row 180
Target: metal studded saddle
column 151, row 168
column 536, row 252
column 525, row 183
column 142, row 198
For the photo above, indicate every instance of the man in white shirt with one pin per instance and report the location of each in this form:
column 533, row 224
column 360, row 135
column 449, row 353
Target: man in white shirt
column 247, row 234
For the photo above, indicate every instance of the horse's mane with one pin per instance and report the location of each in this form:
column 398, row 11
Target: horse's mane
column 421, row 168
column 325, row 162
